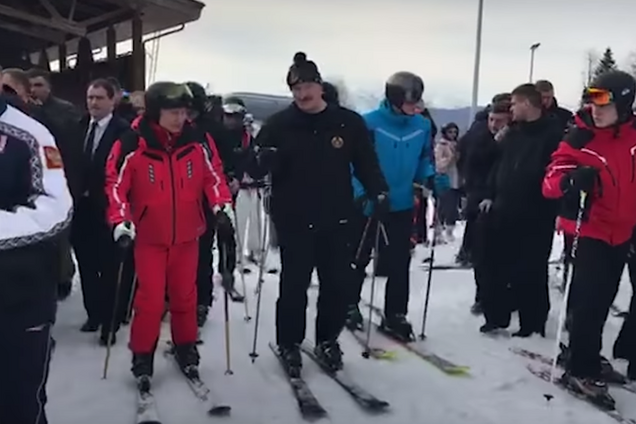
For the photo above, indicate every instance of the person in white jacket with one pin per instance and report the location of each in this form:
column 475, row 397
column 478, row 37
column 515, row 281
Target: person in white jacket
column 446, row 157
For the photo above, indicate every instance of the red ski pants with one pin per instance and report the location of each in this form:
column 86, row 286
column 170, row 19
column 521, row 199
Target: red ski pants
column 161, row 268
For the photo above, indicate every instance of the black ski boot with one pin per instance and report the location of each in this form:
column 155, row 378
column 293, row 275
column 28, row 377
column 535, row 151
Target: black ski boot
column 330, row 354
column 476, row 309
column 202, row 315
column 291, row 359
column 592, row 388
column 187, row 357
column 354, row 318
column 609, row 374
column 142, row 369
column 397, row 326
column 492, row 329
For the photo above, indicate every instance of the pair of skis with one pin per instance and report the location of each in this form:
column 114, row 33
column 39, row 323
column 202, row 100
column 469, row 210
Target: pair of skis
column 147, row 411
column 309, row 405
column 417, row 348
column 543, row 372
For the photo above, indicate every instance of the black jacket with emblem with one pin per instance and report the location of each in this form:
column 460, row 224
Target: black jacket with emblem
column 314, row 157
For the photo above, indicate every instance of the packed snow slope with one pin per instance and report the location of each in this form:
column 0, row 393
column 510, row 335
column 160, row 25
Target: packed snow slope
column 499, row 391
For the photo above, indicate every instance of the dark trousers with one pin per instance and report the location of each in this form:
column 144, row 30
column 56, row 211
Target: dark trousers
column 520, row 278
column 493, row 287
column 421, row 224
column 397, row 257
column 301, row 250
column 466, row 249
column 205, row 270
column 98, row 258
column 24, row 367
column 597, row 272
column 448, row 207
column 625, row 345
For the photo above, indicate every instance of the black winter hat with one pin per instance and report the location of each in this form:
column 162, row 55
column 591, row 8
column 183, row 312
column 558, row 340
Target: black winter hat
column 303, row 70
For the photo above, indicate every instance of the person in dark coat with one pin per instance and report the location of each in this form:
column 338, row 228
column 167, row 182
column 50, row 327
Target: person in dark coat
column 551, row 106
column 522, row 219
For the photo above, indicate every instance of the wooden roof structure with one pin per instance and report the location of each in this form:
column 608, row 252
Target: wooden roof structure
column 34, row 25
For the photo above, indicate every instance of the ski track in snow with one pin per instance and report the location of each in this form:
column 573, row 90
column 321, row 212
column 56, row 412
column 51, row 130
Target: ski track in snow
column 499, row 391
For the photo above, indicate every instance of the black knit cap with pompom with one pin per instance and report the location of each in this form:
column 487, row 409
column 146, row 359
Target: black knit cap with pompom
column 303, row 70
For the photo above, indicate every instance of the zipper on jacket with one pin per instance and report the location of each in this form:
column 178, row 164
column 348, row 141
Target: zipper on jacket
column 174, row 199
column 633, row 165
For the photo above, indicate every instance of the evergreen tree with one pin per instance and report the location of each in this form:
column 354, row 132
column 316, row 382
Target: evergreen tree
column 607, row 63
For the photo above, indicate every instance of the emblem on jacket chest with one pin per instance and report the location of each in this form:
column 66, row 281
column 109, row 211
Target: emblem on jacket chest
column 337, row 142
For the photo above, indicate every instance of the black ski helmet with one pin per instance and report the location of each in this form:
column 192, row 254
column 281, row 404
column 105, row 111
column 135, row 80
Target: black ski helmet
column 234, row 105
column 404, row 87
column 166, row 95
column 200, row 101
column 623, row 88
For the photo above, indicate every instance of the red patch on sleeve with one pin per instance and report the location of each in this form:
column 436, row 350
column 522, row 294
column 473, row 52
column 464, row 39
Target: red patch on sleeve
column 53, row 158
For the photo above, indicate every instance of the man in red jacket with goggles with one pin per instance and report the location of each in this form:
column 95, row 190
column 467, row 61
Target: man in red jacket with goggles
column 596, row 163
column 156, row 183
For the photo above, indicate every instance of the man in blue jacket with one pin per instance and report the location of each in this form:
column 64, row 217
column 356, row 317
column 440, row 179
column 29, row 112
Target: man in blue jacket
column 402, row 142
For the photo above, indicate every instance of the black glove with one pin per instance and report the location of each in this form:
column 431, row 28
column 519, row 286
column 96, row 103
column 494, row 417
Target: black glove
column 582, row 178
column 579, row 137
column 224, row 226
column 381, row 206
column 267, row 158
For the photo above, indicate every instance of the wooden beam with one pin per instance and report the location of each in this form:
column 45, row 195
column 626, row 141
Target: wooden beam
column 52, row 10
column 63, row 26
column 105, row 17
column 41, row 33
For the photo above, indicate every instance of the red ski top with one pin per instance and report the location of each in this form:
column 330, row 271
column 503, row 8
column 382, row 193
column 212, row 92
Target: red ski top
column 612, row 151
column 158, row 181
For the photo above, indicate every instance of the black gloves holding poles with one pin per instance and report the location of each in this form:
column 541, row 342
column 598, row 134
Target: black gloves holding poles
column 581, row 179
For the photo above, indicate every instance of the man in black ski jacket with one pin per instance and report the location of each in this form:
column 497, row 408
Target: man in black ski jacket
column 310, row 149
column 480, row 158
column 523, row 219
column 551, row 106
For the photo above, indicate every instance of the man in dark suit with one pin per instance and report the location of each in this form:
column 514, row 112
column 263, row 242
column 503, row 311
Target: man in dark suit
column 97, row 254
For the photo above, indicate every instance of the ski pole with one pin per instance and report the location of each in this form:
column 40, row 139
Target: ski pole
column 123, row 244
column 376, row 253
column 133, row 290
column 226, row 312
column 262, row 224
column 241, row 264
column 568, row 285
column 429, row 279
column 259, row 287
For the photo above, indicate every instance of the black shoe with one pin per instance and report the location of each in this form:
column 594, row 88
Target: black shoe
column 143, row 365
column 291, row 359
column 202, row 315
column 330, row 354
column 525, row 333
column 476, row 309
column 609, row 374
column 354, row 318
column 399, row 327
column 490, row 328
column 90, row 327
column 103, row 339
column 187, row 356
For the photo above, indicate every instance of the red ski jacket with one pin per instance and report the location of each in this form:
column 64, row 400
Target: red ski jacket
column 611, row 216
column 158, row 181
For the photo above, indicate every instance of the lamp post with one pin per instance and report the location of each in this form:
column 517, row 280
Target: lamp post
column 533, row 49
column 475, row 99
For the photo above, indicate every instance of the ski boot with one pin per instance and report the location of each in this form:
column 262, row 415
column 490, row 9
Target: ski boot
column 291, row 359
column 187, row 357
column 398, row 327
column 492, row 329
column 592, row 388
column 142, row 369
column 202, row 315
column 354, row 318
column 330, row 354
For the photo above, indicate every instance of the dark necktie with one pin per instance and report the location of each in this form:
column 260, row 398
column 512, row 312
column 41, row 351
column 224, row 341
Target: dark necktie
column 89, row 147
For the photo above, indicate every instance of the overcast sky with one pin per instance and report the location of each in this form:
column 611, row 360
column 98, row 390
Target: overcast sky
column 248, row 45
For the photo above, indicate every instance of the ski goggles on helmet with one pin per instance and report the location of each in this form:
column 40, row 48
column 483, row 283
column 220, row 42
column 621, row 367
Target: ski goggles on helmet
column 234, row 109
column 598, row 96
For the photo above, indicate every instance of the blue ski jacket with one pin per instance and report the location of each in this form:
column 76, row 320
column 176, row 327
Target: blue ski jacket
column 402, row 144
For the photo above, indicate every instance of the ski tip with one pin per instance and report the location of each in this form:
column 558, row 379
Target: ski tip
column 220, row 410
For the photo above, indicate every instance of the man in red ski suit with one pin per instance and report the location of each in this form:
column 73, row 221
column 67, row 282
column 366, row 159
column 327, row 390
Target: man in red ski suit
column 156, row 183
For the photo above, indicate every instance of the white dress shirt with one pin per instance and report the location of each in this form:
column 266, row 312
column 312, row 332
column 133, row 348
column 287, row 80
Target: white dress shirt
column 102, row 124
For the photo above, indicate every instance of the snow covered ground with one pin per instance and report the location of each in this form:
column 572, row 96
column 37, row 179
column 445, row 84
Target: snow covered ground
column 499, row 391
